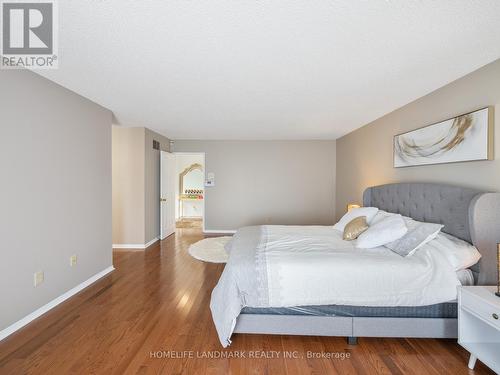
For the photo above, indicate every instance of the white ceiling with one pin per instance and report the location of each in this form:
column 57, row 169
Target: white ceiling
column 255, row 69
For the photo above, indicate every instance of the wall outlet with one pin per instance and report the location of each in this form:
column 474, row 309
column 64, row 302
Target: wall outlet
column 37, row 278
column 72, row 260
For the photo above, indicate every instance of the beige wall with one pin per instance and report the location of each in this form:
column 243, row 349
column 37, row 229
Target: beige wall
column 364, row 157
column 55, row 163
column 267, row 182
column 136, row 185
column 128, row 185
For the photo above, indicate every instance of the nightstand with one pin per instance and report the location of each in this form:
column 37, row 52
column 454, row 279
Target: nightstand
column 479, row 324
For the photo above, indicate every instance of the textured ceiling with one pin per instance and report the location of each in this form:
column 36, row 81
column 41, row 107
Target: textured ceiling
column 251, row 69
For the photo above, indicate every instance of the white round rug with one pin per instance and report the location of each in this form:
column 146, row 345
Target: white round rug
column 210, row 250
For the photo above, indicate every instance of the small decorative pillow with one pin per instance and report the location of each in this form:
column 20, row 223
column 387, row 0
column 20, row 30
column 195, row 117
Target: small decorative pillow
column 369, row 212
column 354, row 228
column 387, row 230
column 418, row 235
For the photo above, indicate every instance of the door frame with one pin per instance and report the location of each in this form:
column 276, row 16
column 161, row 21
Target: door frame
column 203, row 154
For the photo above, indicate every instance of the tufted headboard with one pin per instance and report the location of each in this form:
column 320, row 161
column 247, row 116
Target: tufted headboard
column 469, row 214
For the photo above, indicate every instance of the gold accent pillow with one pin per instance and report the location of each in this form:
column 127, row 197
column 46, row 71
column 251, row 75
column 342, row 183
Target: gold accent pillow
column 354, row 228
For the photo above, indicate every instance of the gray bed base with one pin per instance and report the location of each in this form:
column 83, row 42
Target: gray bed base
column 346, row 326
column 469, row 214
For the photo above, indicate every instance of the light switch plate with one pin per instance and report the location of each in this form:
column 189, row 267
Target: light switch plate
column 72, row 260
column 38, row 278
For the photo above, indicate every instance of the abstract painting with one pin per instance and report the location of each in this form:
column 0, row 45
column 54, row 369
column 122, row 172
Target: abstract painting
column 466, row 137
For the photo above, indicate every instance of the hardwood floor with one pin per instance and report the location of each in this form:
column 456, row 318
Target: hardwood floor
column 189, row 223
column 156, row 304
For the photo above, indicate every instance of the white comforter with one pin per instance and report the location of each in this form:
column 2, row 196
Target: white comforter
column 314, row 266
column 283, row 266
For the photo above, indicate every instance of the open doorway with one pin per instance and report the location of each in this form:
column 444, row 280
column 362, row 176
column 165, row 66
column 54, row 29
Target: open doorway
column 190, row 190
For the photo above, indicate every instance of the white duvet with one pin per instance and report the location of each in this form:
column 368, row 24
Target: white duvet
column 314, row 266
column 283, row 266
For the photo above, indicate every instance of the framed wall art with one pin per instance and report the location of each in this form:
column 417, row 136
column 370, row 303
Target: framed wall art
column 466, row 137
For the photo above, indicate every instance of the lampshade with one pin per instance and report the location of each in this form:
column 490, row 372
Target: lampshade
column 351, row 206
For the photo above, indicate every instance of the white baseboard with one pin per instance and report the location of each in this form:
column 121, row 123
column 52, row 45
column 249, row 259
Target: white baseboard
column 135, row 246
column 219, row 231
column 42, row 310
column 151, row 242
column 129, row 246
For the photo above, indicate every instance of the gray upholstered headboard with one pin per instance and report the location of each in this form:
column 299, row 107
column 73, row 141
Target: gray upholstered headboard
column 469, row 214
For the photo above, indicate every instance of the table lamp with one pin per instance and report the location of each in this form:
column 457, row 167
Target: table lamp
column 352, row 206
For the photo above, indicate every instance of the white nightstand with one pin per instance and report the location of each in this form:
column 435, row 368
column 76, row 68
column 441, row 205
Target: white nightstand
column 479, row 324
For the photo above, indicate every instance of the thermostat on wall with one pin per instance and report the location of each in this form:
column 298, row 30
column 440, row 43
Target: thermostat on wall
column 210, row 180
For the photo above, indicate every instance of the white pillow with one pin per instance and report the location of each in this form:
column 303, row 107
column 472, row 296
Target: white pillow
column 460, row 254
column 382, row 232
column 369, row 212
column 381, row 215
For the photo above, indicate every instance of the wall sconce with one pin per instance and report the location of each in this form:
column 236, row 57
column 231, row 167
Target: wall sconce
column 352, row 206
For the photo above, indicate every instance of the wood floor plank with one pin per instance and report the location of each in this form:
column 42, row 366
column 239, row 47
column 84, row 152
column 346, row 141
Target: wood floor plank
column 152, row 316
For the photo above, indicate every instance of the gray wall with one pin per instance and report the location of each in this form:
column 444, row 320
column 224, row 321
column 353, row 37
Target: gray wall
column 267, row 182
column 136, row 185
column 364, row 157
column 55, row 163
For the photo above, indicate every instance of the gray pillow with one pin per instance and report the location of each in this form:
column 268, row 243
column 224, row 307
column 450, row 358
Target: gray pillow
column 418, row 235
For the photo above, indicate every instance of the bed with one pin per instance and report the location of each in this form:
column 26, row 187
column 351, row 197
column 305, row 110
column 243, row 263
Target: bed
column 248, row 299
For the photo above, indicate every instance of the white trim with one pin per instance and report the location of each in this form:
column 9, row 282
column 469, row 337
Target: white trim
column 45, row 308
column 129, row 246
column 151, row 242
column 136, row 246
column 219, row 231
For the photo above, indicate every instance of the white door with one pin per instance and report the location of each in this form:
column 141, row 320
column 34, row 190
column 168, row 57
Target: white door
column 167, row 194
